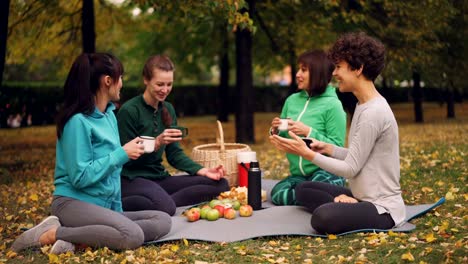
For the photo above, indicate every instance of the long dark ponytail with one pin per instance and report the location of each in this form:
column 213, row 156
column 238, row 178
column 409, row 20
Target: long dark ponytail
column 82, row 84
column 160, row 62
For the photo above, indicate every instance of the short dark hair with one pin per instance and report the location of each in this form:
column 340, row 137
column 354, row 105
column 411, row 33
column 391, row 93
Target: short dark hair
column 320, row 70
column 359, row 49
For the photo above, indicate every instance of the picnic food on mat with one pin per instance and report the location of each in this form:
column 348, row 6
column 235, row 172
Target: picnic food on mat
column 239, row 194
column 216, row 208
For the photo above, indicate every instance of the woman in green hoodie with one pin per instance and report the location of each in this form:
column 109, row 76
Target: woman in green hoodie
column 315, row 111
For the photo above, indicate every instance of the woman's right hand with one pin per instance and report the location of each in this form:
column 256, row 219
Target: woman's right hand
column 134, row 148
column 321, row 147
column 168, row 136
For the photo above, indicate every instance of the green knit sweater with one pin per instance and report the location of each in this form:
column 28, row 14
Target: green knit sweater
column 137, row 118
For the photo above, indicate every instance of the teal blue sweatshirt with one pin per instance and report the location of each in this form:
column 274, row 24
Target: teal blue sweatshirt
column 89, row 159
column 324, row 114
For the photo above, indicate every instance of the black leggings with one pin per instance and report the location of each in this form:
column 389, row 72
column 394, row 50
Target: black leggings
column 166, row 194
column 329, row 217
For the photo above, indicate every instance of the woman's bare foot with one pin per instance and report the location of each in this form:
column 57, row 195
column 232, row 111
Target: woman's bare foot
column 343, row 198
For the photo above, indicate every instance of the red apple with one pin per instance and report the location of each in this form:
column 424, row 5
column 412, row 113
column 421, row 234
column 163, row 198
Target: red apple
column 220, row 209
column 193, row 214
column 229, row 213
column 245, row 210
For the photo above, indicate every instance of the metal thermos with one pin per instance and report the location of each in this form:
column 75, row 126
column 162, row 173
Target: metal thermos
column 254, row 191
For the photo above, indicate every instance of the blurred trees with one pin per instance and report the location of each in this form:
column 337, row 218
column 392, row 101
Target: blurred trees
column 410, row 31
column 425, row 40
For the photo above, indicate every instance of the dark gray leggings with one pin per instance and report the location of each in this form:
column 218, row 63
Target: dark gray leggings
column 171, row 192
column 96, row 226
column 329, row 217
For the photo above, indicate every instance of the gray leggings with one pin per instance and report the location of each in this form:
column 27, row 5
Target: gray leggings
column 96, row 226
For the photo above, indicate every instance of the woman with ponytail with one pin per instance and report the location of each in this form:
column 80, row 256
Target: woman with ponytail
column 87, row 206
column 146, row 185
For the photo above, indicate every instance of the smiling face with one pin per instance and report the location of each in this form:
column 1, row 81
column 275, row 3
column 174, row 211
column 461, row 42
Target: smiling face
column 302, row 77
column 345, row 76
column 160, row 86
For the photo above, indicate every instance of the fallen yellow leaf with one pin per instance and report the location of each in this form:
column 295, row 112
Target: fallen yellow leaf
column 53, row 258
column 430, row 238
column 407, row 256
column 174, row 248
column 426, row 189
column 449, row 196
column 331, row 237
column 34, row 197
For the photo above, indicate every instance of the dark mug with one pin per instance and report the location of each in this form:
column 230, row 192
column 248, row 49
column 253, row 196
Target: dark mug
column 182, row 129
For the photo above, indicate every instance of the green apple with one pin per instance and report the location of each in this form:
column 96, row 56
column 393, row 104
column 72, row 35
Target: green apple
column 204, row 211
column 212, row 215
column 236, row 205
column 214, row 202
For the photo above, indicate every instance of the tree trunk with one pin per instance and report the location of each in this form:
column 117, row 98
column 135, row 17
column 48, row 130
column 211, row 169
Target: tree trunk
column 223, row 89
column 417, row 97
column 4, row 13
column 87, row 27
column 245, row 102
column 450, row 99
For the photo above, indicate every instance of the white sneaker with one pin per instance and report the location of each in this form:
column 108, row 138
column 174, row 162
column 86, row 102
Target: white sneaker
column 30, row 238
column 61, row 246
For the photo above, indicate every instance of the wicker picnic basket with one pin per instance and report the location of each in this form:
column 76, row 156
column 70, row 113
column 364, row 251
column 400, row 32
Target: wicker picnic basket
column 212, row 155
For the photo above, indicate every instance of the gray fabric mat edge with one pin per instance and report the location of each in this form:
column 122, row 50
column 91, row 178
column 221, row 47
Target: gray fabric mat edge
column 271, row 221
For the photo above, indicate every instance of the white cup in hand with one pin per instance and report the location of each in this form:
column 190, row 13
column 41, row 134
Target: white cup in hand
column 284, row 124
column 148, row 143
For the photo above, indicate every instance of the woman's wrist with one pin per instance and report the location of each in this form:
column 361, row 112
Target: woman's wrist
column 202, row 172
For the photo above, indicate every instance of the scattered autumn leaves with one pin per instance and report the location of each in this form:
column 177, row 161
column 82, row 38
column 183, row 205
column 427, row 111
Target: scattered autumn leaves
column 433, row 165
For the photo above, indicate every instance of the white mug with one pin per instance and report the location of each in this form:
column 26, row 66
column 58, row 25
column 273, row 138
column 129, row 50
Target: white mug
column 148, row 142
column 284, row 124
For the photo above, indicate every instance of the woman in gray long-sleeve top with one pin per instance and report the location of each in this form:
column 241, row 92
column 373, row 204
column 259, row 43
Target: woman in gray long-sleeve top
column 371, row 163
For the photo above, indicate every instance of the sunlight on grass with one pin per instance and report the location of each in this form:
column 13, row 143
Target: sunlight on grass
column 433, row 165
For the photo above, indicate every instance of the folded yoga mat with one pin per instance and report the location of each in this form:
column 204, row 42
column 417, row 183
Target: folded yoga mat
column 271, row 221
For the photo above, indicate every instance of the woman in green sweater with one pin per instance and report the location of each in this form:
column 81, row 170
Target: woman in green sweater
column 146, row 184
column 315, row 111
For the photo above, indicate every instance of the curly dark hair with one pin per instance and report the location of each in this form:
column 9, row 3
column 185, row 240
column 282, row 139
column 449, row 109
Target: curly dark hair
column 359, row 49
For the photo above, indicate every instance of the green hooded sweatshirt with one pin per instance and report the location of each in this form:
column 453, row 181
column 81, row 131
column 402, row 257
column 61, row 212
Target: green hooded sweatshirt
column 324, row 114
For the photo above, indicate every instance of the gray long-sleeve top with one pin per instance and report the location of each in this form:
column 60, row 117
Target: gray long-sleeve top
column 371, row 163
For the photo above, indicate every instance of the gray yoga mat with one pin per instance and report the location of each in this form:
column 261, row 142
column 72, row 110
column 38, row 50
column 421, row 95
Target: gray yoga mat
column 271, row 221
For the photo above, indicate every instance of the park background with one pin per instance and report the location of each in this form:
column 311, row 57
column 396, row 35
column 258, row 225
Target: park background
column 235, row 62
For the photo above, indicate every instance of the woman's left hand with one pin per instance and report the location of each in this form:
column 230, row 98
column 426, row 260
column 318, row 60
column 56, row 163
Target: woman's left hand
column 215, row 173
column 299, row 128
column 295, row 145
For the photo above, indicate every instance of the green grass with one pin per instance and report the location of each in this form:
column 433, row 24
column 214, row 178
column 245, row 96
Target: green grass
column 433, row 165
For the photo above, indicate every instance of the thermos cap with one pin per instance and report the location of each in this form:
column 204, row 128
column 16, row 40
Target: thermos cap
column 254, row 164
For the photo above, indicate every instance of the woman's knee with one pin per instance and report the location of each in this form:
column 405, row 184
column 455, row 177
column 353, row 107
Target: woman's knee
column 324, row 221
column 131, row 239
column 223, row 185
column 163, row 224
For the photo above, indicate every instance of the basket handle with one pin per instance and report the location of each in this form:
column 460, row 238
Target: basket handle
column 221, row 136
